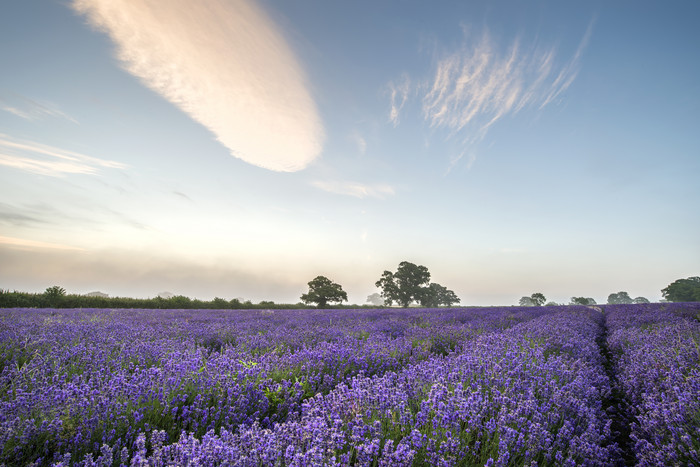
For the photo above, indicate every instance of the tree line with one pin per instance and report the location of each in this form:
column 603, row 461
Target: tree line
column 409, row 285
column 619, row 298
column 57, row 297
column 681, row 290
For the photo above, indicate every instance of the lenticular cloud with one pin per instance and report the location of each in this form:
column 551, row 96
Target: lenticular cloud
column 224, row 64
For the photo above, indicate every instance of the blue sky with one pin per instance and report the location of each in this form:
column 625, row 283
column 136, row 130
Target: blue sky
column 240, row 148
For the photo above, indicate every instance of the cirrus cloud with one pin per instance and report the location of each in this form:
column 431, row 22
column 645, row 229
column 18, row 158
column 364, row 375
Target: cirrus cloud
column 477, row 85
column 483, row 81
column 42, row 159
column 223, row 63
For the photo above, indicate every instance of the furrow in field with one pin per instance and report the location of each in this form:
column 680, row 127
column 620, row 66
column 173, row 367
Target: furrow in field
column 656, row 355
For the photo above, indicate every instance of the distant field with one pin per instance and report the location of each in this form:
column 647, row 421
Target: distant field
column 479, row 386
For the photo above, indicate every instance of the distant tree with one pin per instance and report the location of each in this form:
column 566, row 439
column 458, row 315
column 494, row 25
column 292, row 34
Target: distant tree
column 683, row 290
column 538, row 298
column 97, row 294
column 436, row 295
column 54, row 295
column 408, row 284
column 619, row 298
column 551, row 304
column 639, row 300
column 322, row 291
column 375, row 299
column 267, row 303
column 582, row 301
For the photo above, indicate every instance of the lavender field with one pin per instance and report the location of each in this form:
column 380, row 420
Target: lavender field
column 617, row 385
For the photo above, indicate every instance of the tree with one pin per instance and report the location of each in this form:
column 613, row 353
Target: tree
column 640, row 300
column 411, row 283
column 407, row 285
column 322, row 291
column 436, row 295
column 536, row 299
column 619, row 298
column 683, row 290
column 375, row 299
column 582, row 301
column 54, row 295
column 390, row 289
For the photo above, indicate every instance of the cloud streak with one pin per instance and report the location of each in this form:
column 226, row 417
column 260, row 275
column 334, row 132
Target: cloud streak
column 223, row 63
column 356, row 189
column 399, row 95
column 31, row 110
column 477, row 85
column 568, row 73
column 41, row 159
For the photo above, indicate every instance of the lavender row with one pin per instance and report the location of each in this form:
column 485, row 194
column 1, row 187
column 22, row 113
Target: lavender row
column 657, row 361
column 79, row 379
column 530, row 395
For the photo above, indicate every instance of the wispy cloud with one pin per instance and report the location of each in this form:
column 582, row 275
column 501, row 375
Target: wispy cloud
column 226, row 65
column 455, row 159
column 567, row 75
column 399, row 95
column 41, row 159
column 356, row 189
column 477, row 85
column 25, row 244
column 30, row 109
column 360, row 141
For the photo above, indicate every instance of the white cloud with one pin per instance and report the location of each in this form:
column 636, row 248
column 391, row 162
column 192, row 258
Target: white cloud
column 480, row 83
column 360, row 141
column 455, row 159
column 476, row 86
column 358, row 190
column 399, row 95
column 568, row 73
column 48, row 160
column 226, row 65
column 30, row 109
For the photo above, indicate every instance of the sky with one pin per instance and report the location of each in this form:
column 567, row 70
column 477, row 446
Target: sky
column 240, row 148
